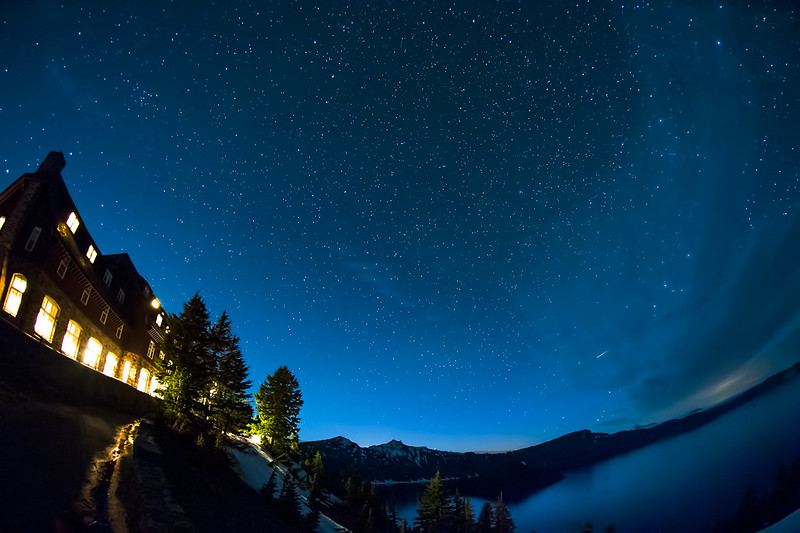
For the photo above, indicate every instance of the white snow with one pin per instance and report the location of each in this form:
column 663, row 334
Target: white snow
column 255, row 466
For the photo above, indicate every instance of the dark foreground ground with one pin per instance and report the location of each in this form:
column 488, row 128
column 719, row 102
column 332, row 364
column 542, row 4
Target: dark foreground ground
column 46, row 451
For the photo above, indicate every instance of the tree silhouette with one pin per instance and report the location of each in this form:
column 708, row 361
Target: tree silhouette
column 278, row 403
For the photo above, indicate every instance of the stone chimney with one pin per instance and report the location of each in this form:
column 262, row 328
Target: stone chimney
column 53, row 164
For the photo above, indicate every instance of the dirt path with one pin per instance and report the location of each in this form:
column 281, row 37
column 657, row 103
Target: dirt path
column 46, row 450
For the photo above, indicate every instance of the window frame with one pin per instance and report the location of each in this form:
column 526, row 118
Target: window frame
column 72, row 222
column 110, row 356
column 91, row 343
column 63, row 266
column 33, row 239
column 75, row 337
column 15, row 292
column 46, row 317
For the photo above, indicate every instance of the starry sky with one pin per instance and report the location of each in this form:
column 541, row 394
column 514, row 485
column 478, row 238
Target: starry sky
column 469, row 225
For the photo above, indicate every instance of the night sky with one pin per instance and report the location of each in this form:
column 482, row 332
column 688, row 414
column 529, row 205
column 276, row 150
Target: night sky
column 471, row 226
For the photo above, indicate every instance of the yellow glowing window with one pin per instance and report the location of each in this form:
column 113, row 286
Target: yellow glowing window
column 2, row 221
column 159, row 319
column 111, row 364
column 92, row 352
column 70, row 343
column 46, row 319
column 126, row 371
column 91, row 253
column 154, row 388
column 14, row 296
column 72, row 222
column 144, row 380
column 151, row 350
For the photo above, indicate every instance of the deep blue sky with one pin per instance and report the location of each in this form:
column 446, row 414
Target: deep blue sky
column 467, row 226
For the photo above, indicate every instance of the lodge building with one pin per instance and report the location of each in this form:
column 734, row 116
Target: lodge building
column 58, row 288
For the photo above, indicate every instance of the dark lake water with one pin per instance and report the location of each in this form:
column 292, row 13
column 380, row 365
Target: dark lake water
column 690, row 482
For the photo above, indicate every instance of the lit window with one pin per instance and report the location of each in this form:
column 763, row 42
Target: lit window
column 119, row 331
column 2, row 221
column 104, row 316
column 85, row 296
column 14, row 296
column 33, row 238
column 62, row 267
column 121, row 296
column 126, row 371
column 72, row 222
column 46, row 319
column 91, row 253
column 70, row 343
column 92, row 352
column 159, row 319
column 154, row 388
column 144, row 380
column 151, row 350
column 107, row 277
column 111, row 364
column 161, row 354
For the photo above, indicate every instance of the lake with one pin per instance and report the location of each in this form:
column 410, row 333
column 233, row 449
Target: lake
column 687, row 482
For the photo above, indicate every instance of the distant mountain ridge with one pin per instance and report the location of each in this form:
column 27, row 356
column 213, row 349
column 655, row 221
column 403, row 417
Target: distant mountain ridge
column 520, row 472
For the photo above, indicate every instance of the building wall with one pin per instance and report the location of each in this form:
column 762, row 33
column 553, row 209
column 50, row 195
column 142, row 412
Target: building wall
column 42, row 201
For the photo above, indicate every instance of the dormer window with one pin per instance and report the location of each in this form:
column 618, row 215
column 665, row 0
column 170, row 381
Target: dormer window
column 159, row 319
column 107, row 277
column 91, row 253
column 33, row 238
column 73, row 222
column 121, row 296
column 62, row 267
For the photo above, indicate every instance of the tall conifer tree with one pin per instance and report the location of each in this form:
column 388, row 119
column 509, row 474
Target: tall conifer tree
column 278, row 403
column 435, row 511
column 186, row 378
column 230, row 410
column 502, row 517
column 485, row 519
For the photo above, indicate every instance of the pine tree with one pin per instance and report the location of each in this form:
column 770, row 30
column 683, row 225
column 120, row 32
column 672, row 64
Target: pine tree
column 317, row 473
column 230, row 411
column 186, row 377
column 435, row 512
column 502, row 517
column 288, row 501
column 485, row 519
column 278, row 403
column 464, row 516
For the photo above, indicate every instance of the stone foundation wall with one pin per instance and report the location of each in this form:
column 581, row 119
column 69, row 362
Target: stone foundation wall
column 36, row 369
